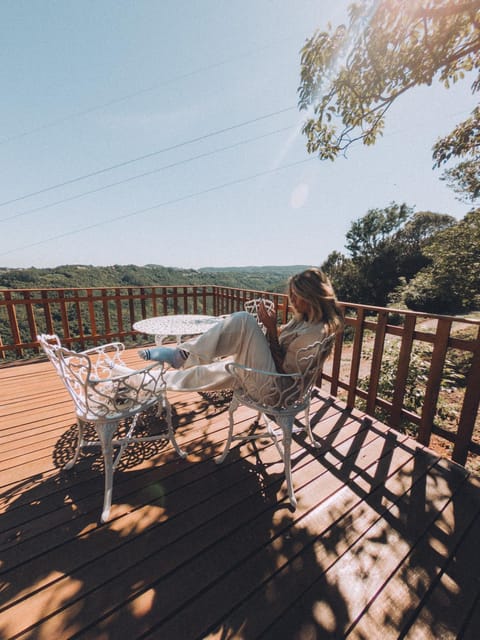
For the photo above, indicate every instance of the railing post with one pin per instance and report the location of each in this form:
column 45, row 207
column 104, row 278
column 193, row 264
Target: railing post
column 376, row 363
column 131, row 306
column 356, row 357
column 91, row 315
column 204, row 301
column 469, row 411
column 12, row 317
column 142, row 302
column 48, row 312
column 402, row 370
column 81, row 333
column 64, row 314
column 337, row 358
column 118, row 305
column 30, row 316
column 106, row 312
column 434, row 380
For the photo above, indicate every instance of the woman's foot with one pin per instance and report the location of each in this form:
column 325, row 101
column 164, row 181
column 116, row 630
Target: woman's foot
column 174, row 357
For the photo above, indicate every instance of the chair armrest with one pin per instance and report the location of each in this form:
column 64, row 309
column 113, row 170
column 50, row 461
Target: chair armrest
column 233, row 366
column 113, row 346
column 128, row 392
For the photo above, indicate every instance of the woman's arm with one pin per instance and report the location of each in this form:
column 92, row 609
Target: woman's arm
column 269, row 321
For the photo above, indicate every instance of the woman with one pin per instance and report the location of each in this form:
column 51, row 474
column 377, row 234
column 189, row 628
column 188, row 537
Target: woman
column 239, row 338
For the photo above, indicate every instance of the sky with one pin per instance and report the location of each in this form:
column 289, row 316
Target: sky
column 167, row 132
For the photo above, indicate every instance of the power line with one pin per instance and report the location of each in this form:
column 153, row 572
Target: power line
column 160, row 205
column 143, row 175
column 84, row 112
column 148, row 155
column 158, row 152
column 155, row 87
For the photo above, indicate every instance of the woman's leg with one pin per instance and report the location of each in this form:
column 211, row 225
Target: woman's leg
column 237, row 335
column 236, row 338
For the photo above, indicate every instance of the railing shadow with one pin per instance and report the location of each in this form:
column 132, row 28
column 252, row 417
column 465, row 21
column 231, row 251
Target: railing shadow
column 405, row 525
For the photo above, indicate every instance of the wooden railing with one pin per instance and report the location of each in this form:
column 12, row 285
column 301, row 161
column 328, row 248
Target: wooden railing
column 362, row 358
column 86, row 317
column 373, row 333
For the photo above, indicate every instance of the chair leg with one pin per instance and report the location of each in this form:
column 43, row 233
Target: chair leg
column 287, row 461
column 232, row 408
column 171, row 434
column 309, row 429
column 71, row 462
column 272, row 433
column 105, row 435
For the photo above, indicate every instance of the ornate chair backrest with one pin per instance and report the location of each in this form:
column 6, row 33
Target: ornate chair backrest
column 252, row 307
column 50, row 344
column 283, row 392
column 96, row 393
column 73, row 368
column 310, row 363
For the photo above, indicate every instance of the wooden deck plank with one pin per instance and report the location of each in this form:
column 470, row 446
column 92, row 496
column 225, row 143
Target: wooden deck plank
column 455, row 585
column 429, row 559
column 22, row 550
column 321, row 551
column 276, row 573
column 383, row 538
column 234, row 543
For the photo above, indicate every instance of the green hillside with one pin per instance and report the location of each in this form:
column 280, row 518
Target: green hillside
column 267, row 278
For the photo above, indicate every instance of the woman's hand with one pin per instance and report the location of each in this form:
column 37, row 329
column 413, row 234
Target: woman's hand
column 269, row 320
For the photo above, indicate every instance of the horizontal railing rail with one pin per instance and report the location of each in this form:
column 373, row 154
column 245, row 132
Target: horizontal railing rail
column 372, row 365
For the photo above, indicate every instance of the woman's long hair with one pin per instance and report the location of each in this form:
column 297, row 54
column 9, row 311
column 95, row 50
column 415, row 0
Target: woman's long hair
column 314, row 286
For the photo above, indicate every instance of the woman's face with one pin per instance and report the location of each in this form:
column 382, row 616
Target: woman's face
column 300, row 305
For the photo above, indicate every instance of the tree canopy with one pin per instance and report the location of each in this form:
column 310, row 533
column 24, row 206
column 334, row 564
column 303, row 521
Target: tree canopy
column 451, row 282
column 368, row 235
column 387, row 249
column 351, row 75
column 462, row 143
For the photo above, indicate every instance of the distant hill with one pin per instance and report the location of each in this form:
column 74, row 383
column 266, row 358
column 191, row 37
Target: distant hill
column 264, row 278
column 287, row 271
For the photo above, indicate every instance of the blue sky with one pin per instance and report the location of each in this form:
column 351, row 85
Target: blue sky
column 166, row 132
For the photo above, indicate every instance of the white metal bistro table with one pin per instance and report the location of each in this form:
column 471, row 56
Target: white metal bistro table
column 176, row 325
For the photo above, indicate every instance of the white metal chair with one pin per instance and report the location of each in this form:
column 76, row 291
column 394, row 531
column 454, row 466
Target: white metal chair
column 105, row 393
column 252, row 307
column 278, row 398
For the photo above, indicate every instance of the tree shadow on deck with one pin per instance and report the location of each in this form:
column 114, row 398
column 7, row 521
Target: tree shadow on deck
column 201, row 549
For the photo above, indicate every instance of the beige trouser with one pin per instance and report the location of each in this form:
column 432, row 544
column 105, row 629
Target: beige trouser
column 236, row 338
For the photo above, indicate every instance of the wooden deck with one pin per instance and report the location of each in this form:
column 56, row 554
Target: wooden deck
column 384, row 542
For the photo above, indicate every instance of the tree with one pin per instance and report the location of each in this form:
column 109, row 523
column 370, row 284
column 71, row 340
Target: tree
column 351, row 76
column 462, row 142
column 420, row 229
column 368, row 236
column 414, row 236
column 345, row 276
column 371, row 243
column 387, row 250
column 451, row 283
